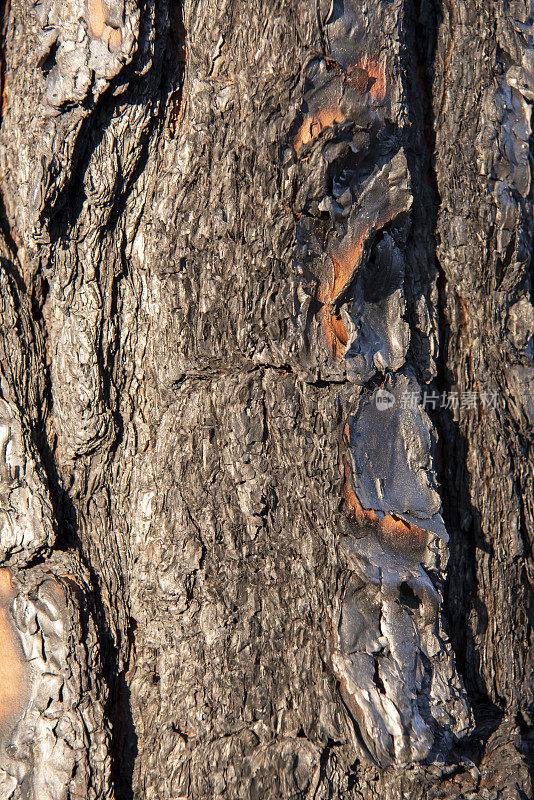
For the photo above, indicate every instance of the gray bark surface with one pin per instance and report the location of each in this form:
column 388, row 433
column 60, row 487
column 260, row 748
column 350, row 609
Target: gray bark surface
column 266, row 400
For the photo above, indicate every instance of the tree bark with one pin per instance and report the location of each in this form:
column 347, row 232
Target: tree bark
column 266, row 400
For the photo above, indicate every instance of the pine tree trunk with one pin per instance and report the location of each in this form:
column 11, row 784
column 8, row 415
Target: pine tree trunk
column 266, row 400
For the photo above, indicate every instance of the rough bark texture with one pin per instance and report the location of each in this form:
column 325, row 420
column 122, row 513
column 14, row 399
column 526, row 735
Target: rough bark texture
column 266, row 400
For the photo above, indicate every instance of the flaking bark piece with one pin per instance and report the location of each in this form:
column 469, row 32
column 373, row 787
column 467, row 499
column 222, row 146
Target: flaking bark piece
column 55, row 745
column 328, row 98
column 344, row 32
column 380, row 199
column 390, row 654
column 390, row 446
column 378, row 337
column 384, row 196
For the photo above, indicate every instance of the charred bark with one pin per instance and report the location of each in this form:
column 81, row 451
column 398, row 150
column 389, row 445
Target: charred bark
column 266, row 400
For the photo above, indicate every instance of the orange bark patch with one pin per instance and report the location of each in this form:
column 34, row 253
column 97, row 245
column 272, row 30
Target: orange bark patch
column 313, row 124
column 97, row 21
column 334, row 331
column 331, row 323
column 99, row 28
column 358, row 79
column 376, row 75
column 391, row 529
column 6, row 584
column 344, row 263
column 368, row 75
column 463, row 317
column 342, row 267
column 11, row 666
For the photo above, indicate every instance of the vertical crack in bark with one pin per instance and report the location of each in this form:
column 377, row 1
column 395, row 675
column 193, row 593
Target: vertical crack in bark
column 392, row 534
column 484, row 269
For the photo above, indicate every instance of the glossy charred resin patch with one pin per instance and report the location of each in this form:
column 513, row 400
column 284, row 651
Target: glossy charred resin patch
column 390, row 449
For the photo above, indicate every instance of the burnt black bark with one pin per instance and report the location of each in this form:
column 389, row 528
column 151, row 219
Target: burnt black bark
column 266, row 400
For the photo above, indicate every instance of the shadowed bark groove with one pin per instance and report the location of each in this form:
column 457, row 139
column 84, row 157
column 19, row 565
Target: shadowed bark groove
column 266, row 400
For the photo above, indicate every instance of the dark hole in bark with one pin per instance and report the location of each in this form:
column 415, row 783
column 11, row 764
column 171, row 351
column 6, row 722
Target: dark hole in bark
column 49, row 61
column 408, row 597
column 378, row 680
